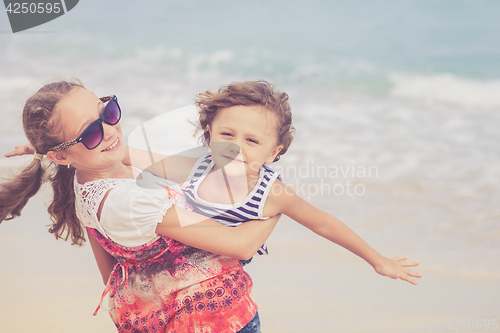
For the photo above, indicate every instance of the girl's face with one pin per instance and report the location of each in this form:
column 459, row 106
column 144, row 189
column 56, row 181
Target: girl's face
column 74, row 112
column 243, row 138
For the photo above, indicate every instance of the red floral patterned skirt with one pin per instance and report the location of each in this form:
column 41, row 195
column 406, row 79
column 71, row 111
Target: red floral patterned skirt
column 166, row 286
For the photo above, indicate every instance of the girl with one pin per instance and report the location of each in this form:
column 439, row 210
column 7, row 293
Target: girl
column 155, row 283
column 248, row 125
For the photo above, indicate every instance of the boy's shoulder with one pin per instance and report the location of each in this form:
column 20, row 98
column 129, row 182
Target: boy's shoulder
column 280, row 198
column 267, row 169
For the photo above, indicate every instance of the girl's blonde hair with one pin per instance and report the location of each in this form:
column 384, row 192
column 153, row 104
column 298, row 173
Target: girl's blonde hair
column 248, row 93
column 42, row 130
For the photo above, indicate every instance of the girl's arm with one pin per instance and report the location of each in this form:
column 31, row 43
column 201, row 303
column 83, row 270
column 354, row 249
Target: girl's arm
column 331, row 228
column 174, row 167
column 105, row 261
column 241, row 242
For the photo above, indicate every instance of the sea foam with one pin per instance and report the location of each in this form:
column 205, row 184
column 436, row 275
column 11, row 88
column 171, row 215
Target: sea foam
column 447, row 88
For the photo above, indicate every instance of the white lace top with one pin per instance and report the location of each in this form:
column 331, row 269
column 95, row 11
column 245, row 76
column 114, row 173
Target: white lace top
column 132, row 209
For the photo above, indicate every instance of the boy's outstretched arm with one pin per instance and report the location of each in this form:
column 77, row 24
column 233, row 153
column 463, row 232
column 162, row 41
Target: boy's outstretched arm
column 26, row 149
column 173, row 167
column 141, row 159
column 284, row 200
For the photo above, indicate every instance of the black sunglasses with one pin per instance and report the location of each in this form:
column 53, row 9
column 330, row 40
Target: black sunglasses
column 94, row 133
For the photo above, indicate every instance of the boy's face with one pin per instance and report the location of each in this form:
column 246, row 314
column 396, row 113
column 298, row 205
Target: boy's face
column 243, row 138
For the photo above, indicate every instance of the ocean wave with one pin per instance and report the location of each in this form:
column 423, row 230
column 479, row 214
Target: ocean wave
column 448, row 89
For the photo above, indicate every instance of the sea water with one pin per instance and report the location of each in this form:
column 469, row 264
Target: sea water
column 396, row 103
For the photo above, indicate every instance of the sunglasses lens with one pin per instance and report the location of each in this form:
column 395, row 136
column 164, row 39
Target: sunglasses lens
column 112, row 113
column 92, row 136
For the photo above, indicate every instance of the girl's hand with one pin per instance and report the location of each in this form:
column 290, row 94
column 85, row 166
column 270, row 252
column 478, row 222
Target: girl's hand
column 26, row 149
column 395, row 268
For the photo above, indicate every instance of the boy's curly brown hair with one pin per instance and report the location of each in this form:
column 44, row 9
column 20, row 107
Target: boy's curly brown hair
column 248, row 93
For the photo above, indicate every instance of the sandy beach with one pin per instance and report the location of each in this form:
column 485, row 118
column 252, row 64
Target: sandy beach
column 307, row 289
column 50, row 286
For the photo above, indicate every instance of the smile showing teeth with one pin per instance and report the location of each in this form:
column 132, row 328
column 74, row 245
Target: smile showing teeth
column 113, row 145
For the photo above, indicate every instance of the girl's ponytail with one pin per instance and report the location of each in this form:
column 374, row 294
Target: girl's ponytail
column 42, row 130
column 14, row 195
column 62, row 210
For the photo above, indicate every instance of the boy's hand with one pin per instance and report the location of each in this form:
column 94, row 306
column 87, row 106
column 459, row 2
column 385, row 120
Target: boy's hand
column 26, row 149
column 395, row 268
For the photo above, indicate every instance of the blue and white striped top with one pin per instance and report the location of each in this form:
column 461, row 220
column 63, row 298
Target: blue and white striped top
column 250, row 208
